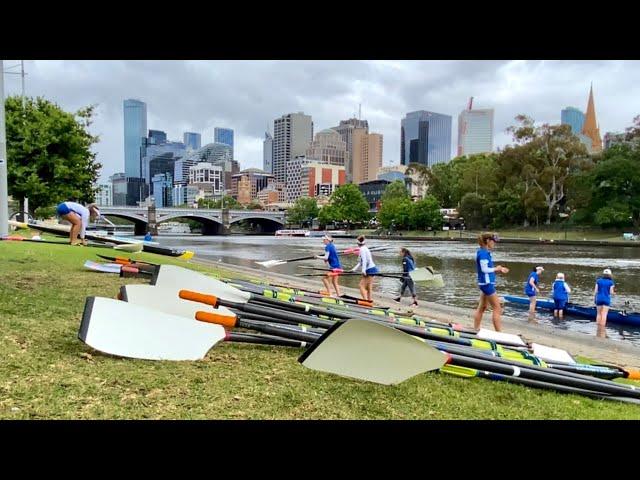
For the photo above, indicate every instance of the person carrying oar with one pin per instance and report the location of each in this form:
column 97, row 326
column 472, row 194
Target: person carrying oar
column 78, row 215
column 369, row 269
column 408, row 265
column 331, row 257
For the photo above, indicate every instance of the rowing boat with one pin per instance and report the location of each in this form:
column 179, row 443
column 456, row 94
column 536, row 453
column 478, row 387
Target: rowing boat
column 614, row 316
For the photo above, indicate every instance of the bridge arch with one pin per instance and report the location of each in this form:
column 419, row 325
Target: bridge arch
column 260, row 223
column 139, row 224
column 210, row 226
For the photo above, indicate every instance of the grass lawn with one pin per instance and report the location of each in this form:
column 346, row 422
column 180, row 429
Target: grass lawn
column 47, row 373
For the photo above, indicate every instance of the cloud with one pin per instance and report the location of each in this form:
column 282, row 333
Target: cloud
column 248, row 95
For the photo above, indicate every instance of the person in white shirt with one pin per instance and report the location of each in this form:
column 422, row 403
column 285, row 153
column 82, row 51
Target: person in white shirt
column 369, row 269
column 78, row 215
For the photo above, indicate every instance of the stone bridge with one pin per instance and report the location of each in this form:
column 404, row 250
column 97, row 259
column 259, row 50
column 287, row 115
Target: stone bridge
column 214, row 221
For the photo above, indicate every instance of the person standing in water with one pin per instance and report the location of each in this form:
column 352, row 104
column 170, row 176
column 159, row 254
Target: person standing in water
column 561, row 293
column 408, row 265
column 487, row 281
column 331, row 257
column 369, row 269
column 605, row 287
column 78, row 215
column 531, row 288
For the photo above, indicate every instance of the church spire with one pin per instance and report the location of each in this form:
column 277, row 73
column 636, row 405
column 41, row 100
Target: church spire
column 590, row 127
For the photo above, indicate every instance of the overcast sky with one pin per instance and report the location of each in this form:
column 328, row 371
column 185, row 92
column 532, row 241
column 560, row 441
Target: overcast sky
column 248, row 95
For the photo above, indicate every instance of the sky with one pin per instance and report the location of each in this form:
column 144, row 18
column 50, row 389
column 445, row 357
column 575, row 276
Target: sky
column 247, row 96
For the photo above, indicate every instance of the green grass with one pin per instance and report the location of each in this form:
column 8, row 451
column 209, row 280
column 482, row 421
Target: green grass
column 47, row 373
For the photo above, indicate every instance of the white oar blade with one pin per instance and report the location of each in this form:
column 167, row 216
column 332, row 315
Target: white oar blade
column 103, row 267
column 550, row 354
column 166, row 299
column 371, row 351
column 271, row 263
column 185, row 279
column 130, row 247
column 133, row 331
column 506, row 338
column 421, row 275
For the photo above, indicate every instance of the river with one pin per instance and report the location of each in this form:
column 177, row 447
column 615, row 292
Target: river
column 456, row 262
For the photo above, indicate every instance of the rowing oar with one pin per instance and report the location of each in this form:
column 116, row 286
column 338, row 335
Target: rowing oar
column 347, row 251
column 16, row 238
column 126, row 261
column 459, row 356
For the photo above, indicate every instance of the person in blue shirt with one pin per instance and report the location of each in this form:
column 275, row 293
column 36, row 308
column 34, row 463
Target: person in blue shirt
column 531, row 288
column 487, row 281
column 561, row 293
column 605, row 287
column 335, row 269
column 148, row 237
column 408, row 265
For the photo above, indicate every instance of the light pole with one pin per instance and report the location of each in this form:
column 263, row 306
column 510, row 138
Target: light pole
column 4, row 207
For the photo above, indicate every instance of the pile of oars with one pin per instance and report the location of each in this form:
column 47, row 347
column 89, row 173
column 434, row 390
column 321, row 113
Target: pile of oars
column 182, row 314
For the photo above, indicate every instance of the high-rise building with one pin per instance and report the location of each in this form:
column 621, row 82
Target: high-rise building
column 157, row 137
column 475, row 131
column 207, row 177
column 192, row 140
column 162, row 184
column 294, row 176
column 329, row 148
column 224, row 135
column 128, row 191
column 135, row 129
column 321, row 179
column 425, row 137
column 104, row 195
column 574, row 117
column 246, row 184
column 267, row 153
column 367, row 155
column 345, row 129
column 611, row 139
column 292, row 134
column 160, row 158
column 590, row 127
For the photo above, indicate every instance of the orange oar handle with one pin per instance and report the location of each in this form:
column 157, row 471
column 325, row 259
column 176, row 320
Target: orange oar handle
column 224, row 320
column 199, row 297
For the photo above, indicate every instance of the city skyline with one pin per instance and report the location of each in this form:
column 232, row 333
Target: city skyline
column 246, row 95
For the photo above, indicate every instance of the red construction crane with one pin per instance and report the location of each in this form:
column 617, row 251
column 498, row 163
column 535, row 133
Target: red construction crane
column 470, row 103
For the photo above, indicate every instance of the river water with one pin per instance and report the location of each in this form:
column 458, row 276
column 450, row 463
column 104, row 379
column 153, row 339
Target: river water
column 456, row 262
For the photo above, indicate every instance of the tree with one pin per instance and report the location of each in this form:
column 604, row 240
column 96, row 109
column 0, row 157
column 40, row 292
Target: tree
column 254, row 205
column 49, row 152
column 549, row 155
column 425, row 213
column 633, row 132
column 349, row 205
column 304, row 209
column 395, row 206
column 472, row 209
column 396, row 190
column 229, row 203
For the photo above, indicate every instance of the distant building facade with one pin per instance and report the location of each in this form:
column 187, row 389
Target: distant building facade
column 475, row 131
column 425, row 138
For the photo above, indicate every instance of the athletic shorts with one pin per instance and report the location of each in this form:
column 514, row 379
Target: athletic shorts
column 489, row 289
column 559, row 304
column 372, row 271
column 62, row 209
column 603, row 302
column 334, row 272
column 531, row 294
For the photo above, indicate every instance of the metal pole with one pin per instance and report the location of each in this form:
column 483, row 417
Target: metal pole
column 4, row 206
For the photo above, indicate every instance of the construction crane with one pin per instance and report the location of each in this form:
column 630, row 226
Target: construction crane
column 470, row 103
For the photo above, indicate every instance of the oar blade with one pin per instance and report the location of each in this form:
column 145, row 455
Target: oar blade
column 371, row 351
column 505, row 338
column 102, row 267
column 551, row 354
column 271, row 263
column 127, row 330
column 130, row 247
column 165, row 299
column 185, row 279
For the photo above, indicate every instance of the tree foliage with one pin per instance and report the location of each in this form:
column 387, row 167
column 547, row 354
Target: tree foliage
column 49, row 152
column 347, row 204
column 304, row 209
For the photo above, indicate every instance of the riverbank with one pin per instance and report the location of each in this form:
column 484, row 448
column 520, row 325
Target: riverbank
column 48, row 373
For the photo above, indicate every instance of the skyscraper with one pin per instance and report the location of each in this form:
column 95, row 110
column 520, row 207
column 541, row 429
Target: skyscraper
column 292, row 134
column 328, row 147
column 590, row 127
column 157, row 137
column 475, row 131
column 267, row 153
column 192, row 140
column 345, row 129
column 574, row 117
column 224, row 135
column 367, row 155
column 425, row 137
column 135, row 129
